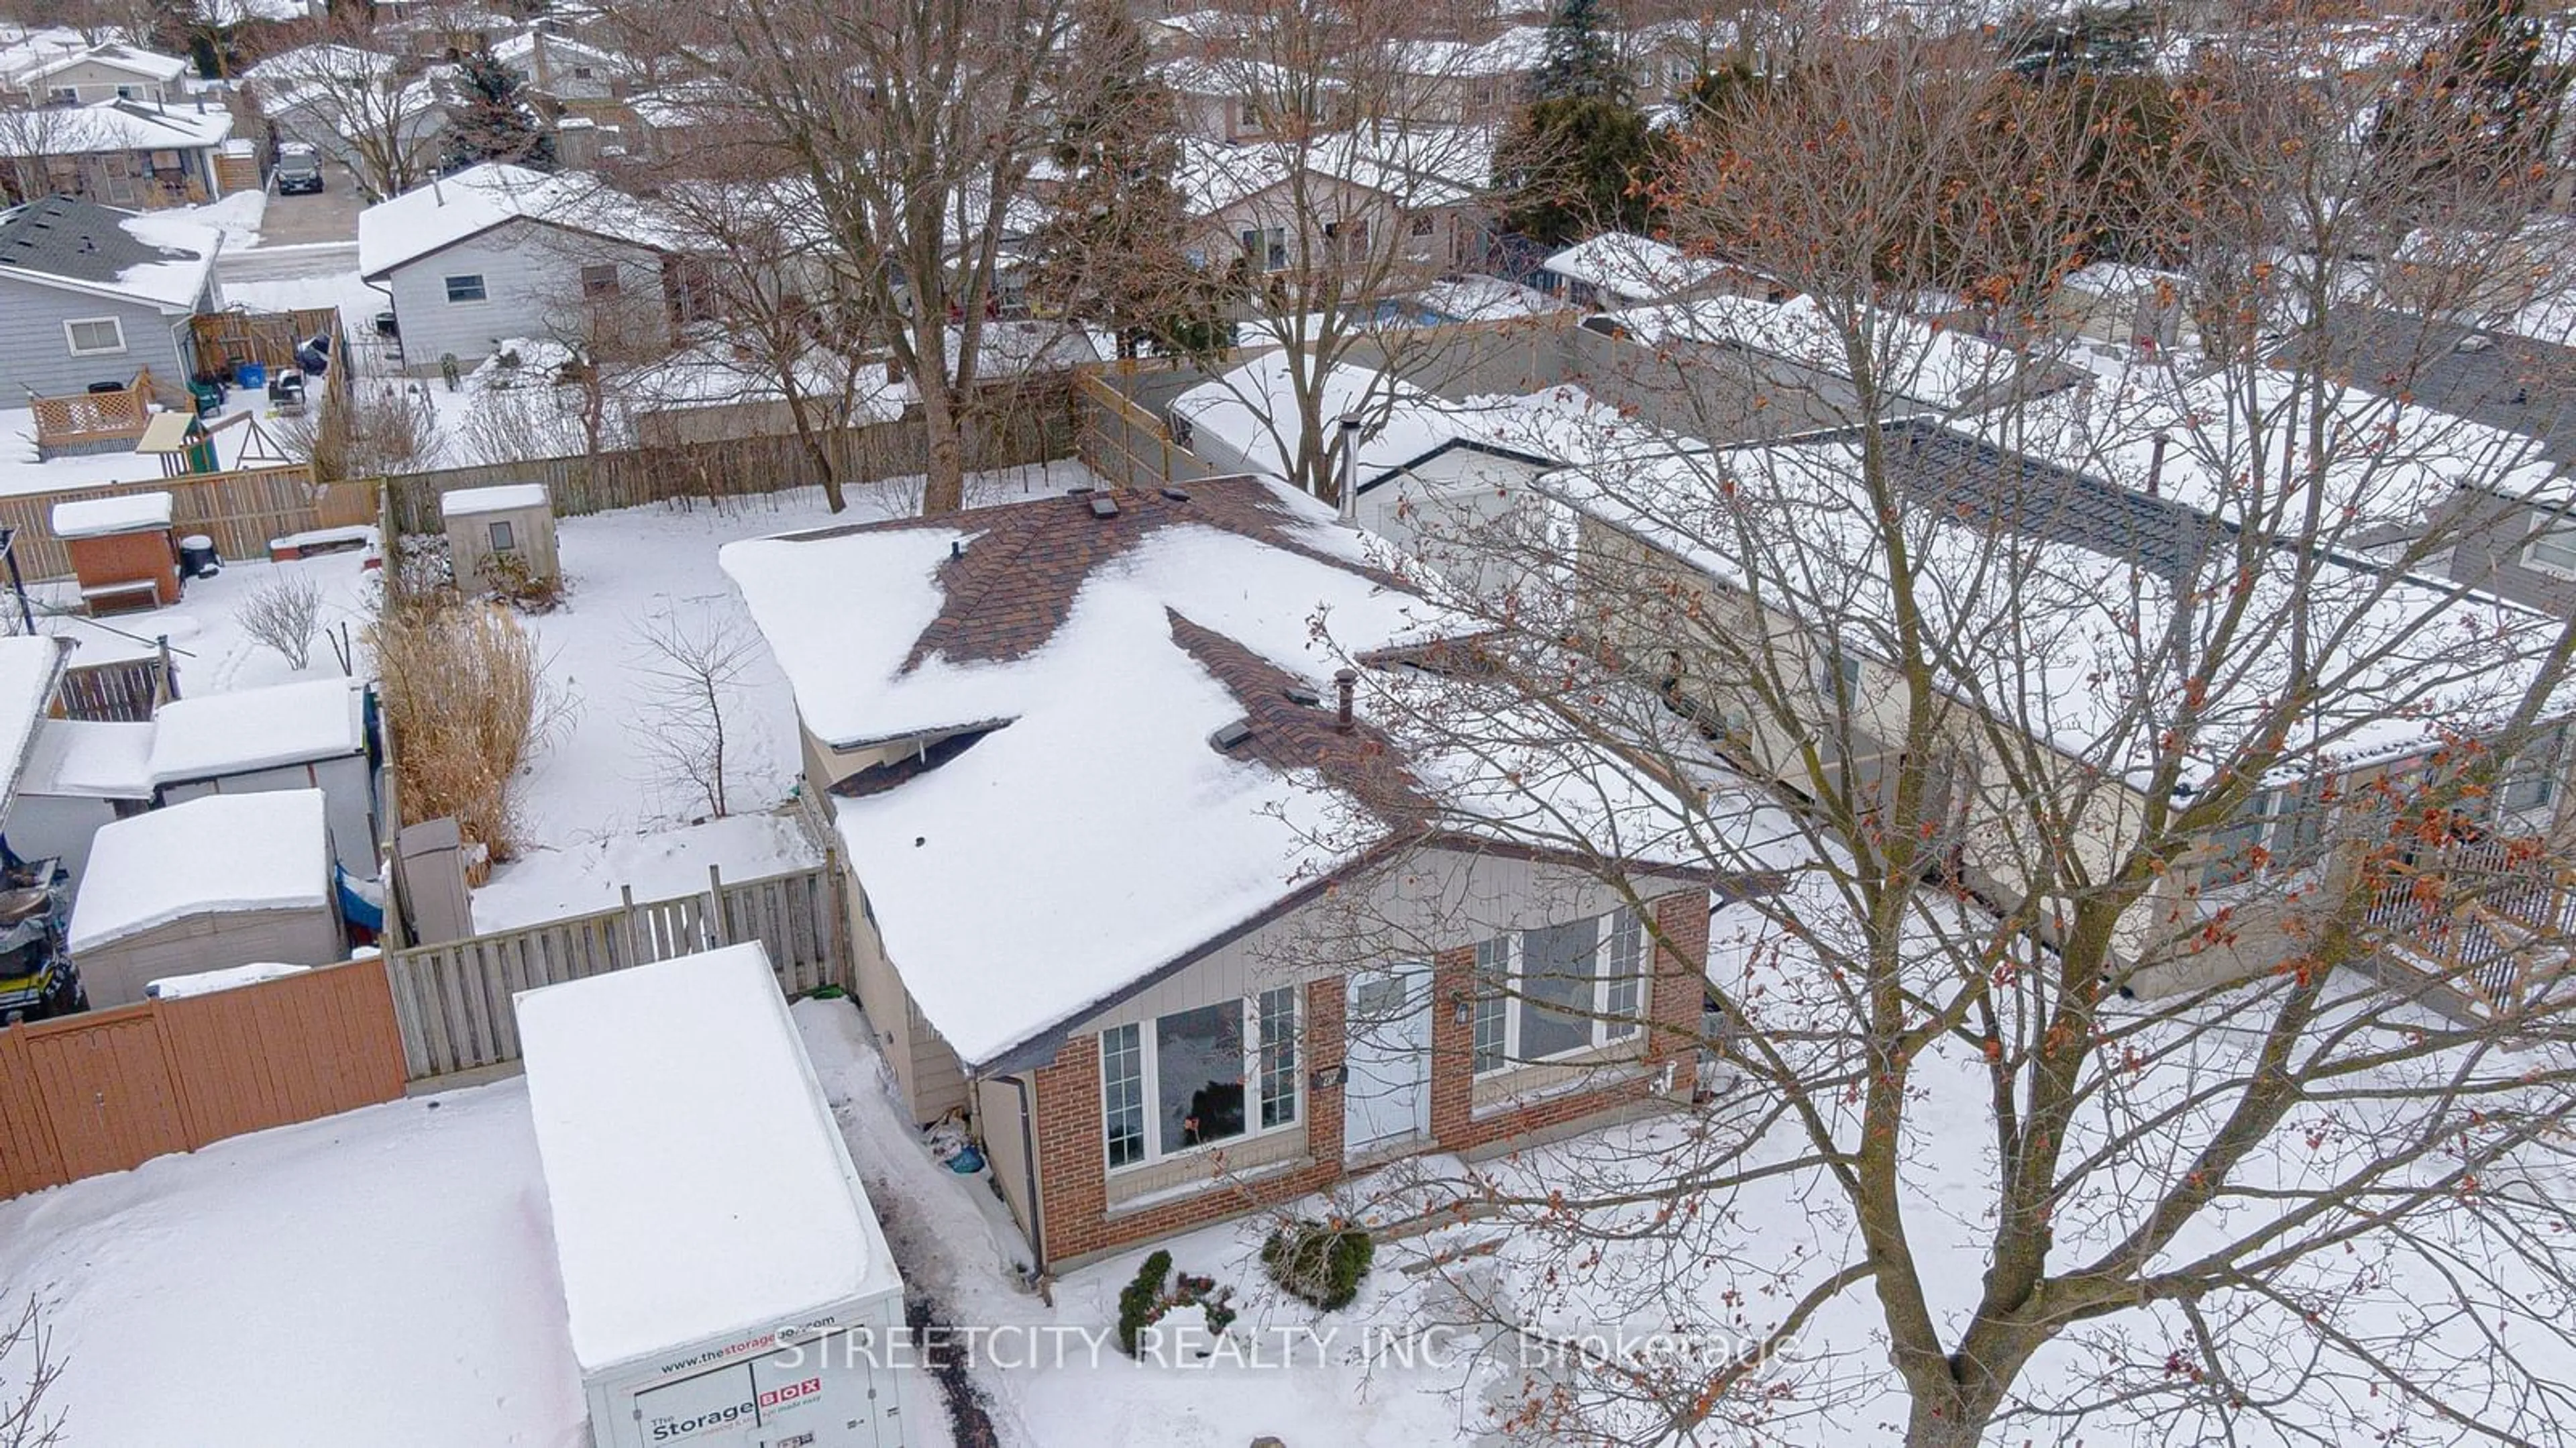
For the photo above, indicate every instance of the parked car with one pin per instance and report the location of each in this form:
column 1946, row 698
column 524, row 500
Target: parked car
column 299, row 170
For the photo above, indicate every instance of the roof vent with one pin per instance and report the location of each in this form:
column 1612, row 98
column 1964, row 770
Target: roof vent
column 956, row 547
column 1227, row 736
column 1103, row 506
column 1344, row 681
column 1300, row 694
column 1080, row 491
column 1176, row 495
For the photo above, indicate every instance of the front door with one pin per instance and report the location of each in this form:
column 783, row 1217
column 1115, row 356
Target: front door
column 1386, row 1096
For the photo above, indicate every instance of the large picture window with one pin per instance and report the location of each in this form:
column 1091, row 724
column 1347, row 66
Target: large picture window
column 1559, row 990
column 1200, row 1077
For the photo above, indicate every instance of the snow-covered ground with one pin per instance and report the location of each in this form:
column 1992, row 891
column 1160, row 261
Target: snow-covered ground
column 207, row 642
column 656, row 865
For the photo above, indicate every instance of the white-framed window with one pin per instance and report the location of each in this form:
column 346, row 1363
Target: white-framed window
column 465, row 287
column 2553, row 550
column 1265, row 248
column 1425, row 224
column 599, row 279
column 94, row 336
column 2529, row 779
column 1559, row 990
column 63, row 95
column 504, row 538
column 1198, row 1078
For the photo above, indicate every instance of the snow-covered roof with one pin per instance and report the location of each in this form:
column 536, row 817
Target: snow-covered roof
column 1049, row 684
column 1637, row 267
column 90, row 758
column 2079, row 587
column 149, row 64
column 1516, row 50
column 438, row 215
column 204, row 736
column 1416, row 167
column 700, row 1189
column 120, row 125
column 1940, row 368
column 78, row 245
column 207, row 982
column 30, row 666
column 1252, row 411
column 220, row 853
column 501, row 498
column 102, row 517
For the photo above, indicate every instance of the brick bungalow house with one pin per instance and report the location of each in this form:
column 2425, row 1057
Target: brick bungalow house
column 1148, row 889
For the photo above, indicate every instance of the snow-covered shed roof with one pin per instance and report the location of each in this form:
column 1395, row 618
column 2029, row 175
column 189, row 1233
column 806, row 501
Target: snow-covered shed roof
column 501, row 498
column 222, row 853
column 700, row 1189
column 76, row 245
column 90, row 759
column 206, row 735
column 231, row 977
column 105, row 517
column 123, row 125
column 30, row 666
column 1049, row 685
column 438, row 215
column 1935, row 367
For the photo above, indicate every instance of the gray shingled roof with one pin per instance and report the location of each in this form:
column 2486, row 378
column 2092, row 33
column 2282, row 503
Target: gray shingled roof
column 1991, row 485
column 62, row 236
column 2506, row 381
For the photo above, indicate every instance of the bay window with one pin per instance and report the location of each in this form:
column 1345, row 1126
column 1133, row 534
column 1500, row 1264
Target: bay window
column 1559, row 990
column 1199, row 1077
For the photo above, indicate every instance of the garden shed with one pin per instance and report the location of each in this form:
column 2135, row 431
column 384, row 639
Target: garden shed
column 223, row 881
column 510, row 527
column 121, row 550
column 724, row 1277
column 309, row 735
column 81, row 776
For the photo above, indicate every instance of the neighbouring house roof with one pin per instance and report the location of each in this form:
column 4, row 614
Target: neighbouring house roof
column 207, row 735
column 651, row 1091
column 30, row 667
column 150, row 64
column 1055, row 682
column 452, row 209
column 118, row 125
column 2491, row 376
column 222, row 853
column 90, row 759
column 64, row 241
column 519, row 52
column 1634, row 266
column 1417, row 168
column 2071, row 572
column 1252, row 411
column 1921, row 364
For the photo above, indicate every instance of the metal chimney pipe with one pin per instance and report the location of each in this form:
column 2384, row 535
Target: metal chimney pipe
column 2156, row 468
column 1350, row 473
column 1344, row 681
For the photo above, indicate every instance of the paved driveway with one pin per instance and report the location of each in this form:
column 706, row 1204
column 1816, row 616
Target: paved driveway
column 330, row 215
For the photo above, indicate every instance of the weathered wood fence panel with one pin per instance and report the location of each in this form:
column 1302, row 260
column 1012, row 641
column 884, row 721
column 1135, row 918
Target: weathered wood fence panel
column 127, row 691
column 1013, row 427
column 241, row 511
column 110, row 1090
column 1125, row 444
column 452, row 1000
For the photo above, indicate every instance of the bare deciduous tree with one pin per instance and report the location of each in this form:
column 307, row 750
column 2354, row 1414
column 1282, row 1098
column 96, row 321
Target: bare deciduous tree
column 341, row 88
column 2143, row 1010
column 693, row 668
column 26, row 1349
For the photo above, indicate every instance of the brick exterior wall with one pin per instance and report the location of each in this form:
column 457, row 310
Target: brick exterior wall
column 1073, row 1169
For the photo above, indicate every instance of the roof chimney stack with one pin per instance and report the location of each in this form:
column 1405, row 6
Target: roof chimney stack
column 1344, row 681
column 2156, row 468
column 1350, row 471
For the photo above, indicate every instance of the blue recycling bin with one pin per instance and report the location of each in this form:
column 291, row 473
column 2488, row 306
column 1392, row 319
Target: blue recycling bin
column 251, row 375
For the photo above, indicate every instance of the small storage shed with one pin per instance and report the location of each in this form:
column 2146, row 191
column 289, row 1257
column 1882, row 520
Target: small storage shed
column 725, row 1278
column 81, row 776
column 121, row 550
column 231, row 880
column 310, row 735
column 515, row 521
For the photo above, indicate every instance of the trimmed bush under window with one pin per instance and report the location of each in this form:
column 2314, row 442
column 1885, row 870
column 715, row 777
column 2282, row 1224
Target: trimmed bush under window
column 1319, row 1265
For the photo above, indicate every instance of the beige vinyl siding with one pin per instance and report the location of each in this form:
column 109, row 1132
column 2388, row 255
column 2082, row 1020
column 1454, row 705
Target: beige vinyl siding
column 115, row 973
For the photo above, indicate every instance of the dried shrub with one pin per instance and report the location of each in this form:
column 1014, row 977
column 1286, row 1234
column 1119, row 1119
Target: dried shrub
column 284, row 614
column 465, row 696
column 369, row 434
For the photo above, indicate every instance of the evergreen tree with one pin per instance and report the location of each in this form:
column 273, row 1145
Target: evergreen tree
column 1577, row 61
column 1110, row 251
column 1571, row 166
column 493, row 121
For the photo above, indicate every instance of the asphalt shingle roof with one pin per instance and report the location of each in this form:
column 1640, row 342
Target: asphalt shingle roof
column 62, row 236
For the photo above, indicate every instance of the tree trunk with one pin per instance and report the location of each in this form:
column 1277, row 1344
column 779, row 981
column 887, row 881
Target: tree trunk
column 944, row 488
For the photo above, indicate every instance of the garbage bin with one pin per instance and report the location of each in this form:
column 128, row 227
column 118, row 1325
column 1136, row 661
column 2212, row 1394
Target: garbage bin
column 209, row 397
column 197, row 557
column 250, row 376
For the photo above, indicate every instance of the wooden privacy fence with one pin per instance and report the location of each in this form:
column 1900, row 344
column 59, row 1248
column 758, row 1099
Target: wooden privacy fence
column 127, row 691
column 109, row 1090
column 1125, row 444
column 241, row 511
column 1012, row 427
column 225, row 340
column 453, row 1000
